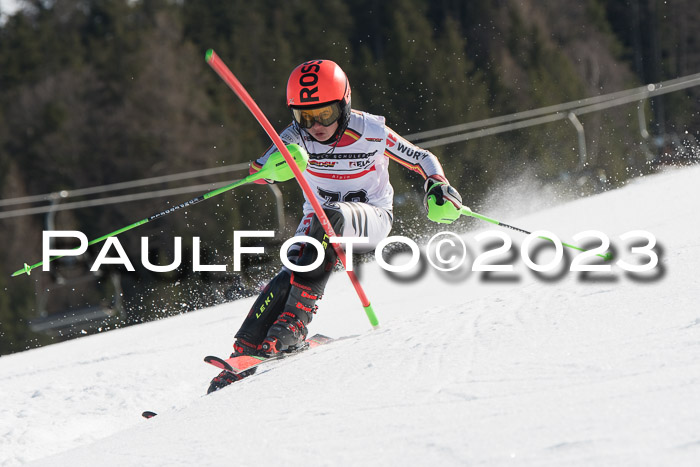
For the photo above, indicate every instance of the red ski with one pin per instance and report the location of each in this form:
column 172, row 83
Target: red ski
column 243, row 363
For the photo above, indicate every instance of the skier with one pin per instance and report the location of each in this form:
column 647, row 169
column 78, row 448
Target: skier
column 349, row 153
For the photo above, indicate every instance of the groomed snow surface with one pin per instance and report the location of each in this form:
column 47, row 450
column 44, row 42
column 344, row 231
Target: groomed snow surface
column 467, row 368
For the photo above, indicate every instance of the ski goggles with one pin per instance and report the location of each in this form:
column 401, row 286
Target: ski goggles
column 325, row 115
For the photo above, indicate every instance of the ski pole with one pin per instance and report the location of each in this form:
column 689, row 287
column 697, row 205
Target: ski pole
column 225, row 73
column 467, row 212
column 276, row 168
column 447, row 214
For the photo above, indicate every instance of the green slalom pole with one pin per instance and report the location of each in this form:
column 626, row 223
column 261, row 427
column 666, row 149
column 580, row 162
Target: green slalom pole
column 276, row 168
column 447, row 213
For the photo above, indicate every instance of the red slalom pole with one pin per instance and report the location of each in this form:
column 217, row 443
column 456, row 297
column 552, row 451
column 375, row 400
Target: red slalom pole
column 223, row 71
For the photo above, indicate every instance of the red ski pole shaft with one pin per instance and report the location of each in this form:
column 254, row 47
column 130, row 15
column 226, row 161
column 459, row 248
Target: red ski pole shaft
column 223, row 71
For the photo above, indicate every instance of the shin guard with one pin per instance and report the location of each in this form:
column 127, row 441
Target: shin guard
column 266, row 309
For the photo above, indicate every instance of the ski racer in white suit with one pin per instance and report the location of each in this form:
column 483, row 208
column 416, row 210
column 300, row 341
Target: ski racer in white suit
column 348, row 170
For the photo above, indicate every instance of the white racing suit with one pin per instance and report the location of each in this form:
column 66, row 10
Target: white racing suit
column 350, row 179
column 356, row 171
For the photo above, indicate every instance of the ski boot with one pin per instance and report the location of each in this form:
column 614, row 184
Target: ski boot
column 223, row 379
column 288, row 333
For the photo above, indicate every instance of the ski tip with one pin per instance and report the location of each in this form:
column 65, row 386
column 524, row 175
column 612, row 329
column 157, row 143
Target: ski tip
column 218, row 362
column 148, row 414
column 209, row 55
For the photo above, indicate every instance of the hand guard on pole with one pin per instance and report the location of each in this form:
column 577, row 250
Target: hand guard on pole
column 442, row 201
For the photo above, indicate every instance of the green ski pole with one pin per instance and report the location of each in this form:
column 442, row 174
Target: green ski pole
column 276, row 168
column 447, row 213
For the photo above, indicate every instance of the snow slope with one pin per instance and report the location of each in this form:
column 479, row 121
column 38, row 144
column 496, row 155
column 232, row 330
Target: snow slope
column 467, row 368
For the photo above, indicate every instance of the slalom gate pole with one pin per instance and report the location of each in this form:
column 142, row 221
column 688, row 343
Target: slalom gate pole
column 223, row 71
column 276, row 168
column 467, row 212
